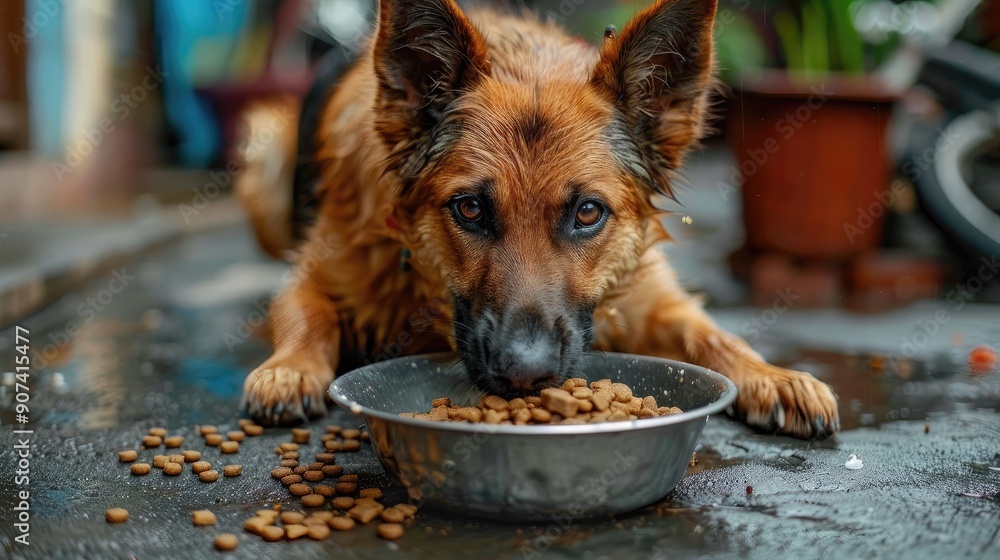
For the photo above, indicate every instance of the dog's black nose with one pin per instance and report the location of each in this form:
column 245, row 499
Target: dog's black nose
column 528, row 354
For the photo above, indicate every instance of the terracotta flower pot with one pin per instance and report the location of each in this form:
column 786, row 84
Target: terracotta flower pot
column 814, row 163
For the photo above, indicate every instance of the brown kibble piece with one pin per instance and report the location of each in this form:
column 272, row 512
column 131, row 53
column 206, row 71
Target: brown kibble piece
column 390, row 531
column 313, row 500
column 226, row 542
column 409, row 510
column 128, row 456
column 316, row 466
column 324, row 490
column 333, row 429
column 202, row 518
column 232, row 470
column 160, row 460
column 541, row 415
column 208, row 476
column 289, row 446
column 209, row 429
column 343, row 503
column 319, row 531
column 649, row 403
column 229, row 447
column 352, row 445
column 292, row 517
column 560, row 402
column 467, row 413
column 333, row 445
column 199, row 467
column 244, row 422
column 191, row 456
column 341, row 523
column 582, row 392
column 374, row 493
column 236, row 435
column 158, row 432
column 301, row 435
column 116, row 515
column 522, row 415
column 213, row 439
column 179, row 459
column 300, row 469
column 353, row 433
column 172, row 469
column 346, row 487
column 313, row 476
column 494, row 402
column 280, row 472
column 392, row 515
column 253, row 430
column 623, row 393
column 257, row 524
column 365, row 513
column 443, row 401
column 349, row 478
column 290, row 455
column 299, row 489
column 141, row 469
column 272, row 533
column 333, row 471
column 174, row 442
column 289, row 463
column 326, row 457
column 150, row 442
column 295, row 531
column 291, row 479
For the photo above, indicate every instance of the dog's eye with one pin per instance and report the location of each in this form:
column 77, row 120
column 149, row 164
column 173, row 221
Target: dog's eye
column 470, row 209
column 589, row 214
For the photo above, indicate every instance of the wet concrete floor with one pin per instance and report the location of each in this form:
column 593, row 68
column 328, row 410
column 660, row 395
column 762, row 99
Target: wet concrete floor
column 166, row 345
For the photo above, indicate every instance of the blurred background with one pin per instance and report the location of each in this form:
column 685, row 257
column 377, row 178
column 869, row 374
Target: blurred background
column 854, row 168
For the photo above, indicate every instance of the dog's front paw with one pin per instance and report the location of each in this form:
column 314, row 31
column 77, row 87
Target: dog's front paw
column 282, row 393
column 789, row 402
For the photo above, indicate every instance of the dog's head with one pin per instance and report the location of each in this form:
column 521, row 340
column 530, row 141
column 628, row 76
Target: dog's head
column 528, row 190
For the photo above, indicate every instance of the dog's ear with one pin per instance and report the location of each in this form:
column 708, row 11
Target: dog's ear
column 658, row 72
column 426, row 53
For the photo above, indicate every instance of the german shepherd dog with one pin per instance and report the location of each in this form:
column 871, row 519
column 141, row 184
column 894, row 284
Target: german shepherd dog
column 486, row 184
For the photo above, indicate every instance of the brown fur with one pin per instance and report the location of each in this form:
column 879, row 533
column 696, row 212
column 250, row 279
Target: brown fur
column 442, row 105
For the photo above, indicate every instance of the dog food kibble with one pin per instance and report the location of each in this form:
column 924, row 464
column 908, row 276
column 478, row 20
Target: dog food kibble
column 128, row 456
column 174, row 442
column 333, row 471
column 141, row 469
column 152, row 441
column 342, row 503
column 333, row 445
column 159, row 461
column 390, row 531
column 213, row 439
column 191, row 456
column 324, row 490
column 257, row 524
column 300, row 469
column 229, row 446
column 292, row 517
column 226, row 542
column 199, row 467
column 116, row 515
column 236, row 435
column 253, row 430
column 355, row 445
column 313, row 500
column 313, row 476
column 349, row 478
column 202, row 518
column 299, row 489
column 160, row 432
column 272, row 533
column 346, row 487
column 375, row 493
column 172, row 469
column 319, row 531
column 290, row 463
column 392, row 515
column 295, row 531
column 365, row 513
column 301, row 435
column 341, row 523
column 280, row 472
column 290, row 455
column 244, row 422
column 179, row 459
column 290, row 479
column 350, row 433
column 289, row 446
column 206, row 430
column 326, row 457
column 208, row 476
column 232, row 470
column 573, row 403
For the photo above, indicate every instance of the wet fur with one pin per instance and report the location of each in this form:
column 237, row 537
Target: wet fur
column 442, row 104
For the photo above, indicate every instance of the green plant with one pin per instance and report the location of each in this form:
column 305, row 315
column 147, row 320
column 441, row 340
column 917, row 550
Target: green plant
column 822, row 39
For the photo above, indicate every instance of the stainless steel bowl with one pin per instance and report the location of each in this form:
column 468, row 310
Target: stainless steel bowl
column 533, row 473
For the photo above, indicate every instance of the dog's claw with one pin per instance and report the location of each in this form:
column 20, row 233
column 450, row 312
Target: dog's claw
column 819, row 428
column 779, row 415
column 305, row 402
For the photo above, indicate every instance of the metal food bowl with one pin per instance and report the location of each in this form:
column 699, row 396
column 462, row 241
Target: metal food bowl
column 533, row 472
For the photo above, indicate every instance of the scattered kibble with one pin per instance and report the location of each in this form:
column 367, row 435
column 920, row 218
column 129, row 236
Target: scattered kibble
column 375, row 493
column 159, row 461
column 116, row 515
column 128, row 456
column 236, row 435
column 172, row 469
column 229, row 446
column 199, row 467
column 141, row 469
column 341, row 523
column 208, row 476
column 301, row 435
column 312, row 500
column 253, row 430
column 191, row 456
column 150, row 442
column 232, row 470
column 390, row 531
column 202, row 518
column 174, row 441
column 226, row 542
column 213, row 439
column 206, row 430
column 272, row 533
